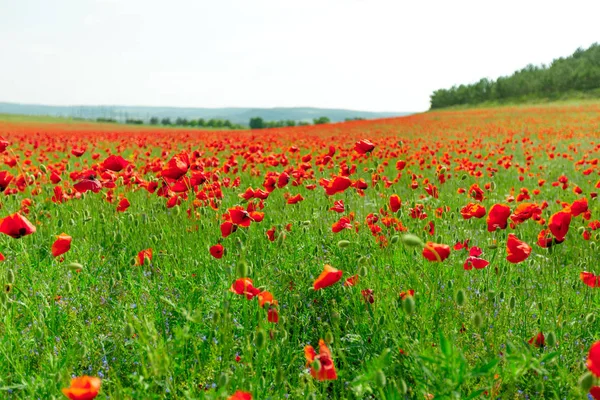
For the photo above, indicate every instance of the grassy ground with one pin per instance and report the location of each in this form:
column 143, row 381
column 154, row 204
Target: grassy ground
column 172, row 329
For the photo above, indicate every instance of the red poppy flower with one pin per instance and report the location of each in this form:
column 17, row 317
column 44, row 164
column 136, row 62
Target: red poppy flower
column 436, row 252
column 265, row 298
column 367, row 295
column 593, row 360
column 217, row 251
column 272, row 314
column 475, row 262
column 61, row 245
column 123, row 205
column 143, row 256
column 177, row 166
column 395, row 202
column 88, row 184
column 271, row 234
column 240, row 217
column 115, row 163
column 5, row 179
column 239, row 395
column 77, row 152
column 476, row 192
column 472, row 210
column 325, row 370
column 516, row 249
column 407, row 293
column 546, row 240
column 328, row 277
column 364, row 146
column 595, row 392
column 243, row 286
column 338, row 206
column 538, row 341
column 590, row 279
column 16, row 226
column 579, row 207
column 337, row 185
column 462, row 245
column 525, row 211
column 498, row 217
column 343, row 223
column 353, row 280
column 283, row 180
column 559, row 224
column 227, row 228
column 295, row 199
column 3, row 145
column 83, row 388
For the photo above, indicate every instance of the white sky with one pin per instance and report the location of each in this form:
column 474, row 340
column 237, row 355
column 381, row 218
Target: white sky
column 375, row 55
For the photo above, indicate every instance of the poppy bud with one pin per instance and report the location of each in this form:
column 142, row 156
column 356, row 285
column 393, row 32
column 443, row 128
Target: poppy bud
column 59, row 223
column 329, row 337
column 450, row 284
column 381, row 320
column 412, row 241
column 75, row 266
column 69, row 288
column 512, row 302
column 306, row 223
column 581, row 229
column 551, row 339
column 223, row 380
column 312, row 396
column 586, row 381
column 492, row 186
column 539, row 387
column 590, row 318
column 491, row 295
column 261, row 338
column 10, row 276
column 362, row 271
column 342, row 244
column 403, row 387
column 280, row 238
column 316, row 365
column 394, row 239
column 501, row 295
column 408, row 305
column 279, row 376
column 335, row 317
column 492, row 246
column 463, row 177
column 477, row 320
column 43, row 168
column 129, row 331
column 380, row 378
column 216, row 317
column 242, row 269
column 3, row 299
column 461, row 298
column 362, row 260
column 8, row 288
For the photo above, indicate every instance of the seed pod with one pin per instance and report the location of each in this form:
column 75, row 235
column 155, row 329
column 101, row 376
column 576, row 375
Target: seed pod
column 329, row 337
column 460, row 298
column 408, row 305
column 10, row 276
column 129, row 331
column 380, row 378
column 242, row 269
column 223, row 380
column 279, row 376
column 586, row 381
column 261, row 338
column 342, row 244
column 403, row 386
column 412, row 240
column 477, row 320
column 590, row 318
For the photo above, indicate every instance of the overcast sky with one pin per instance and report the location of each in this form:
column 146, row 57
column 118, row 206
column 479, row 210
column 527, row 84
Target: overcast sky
column 375, row 55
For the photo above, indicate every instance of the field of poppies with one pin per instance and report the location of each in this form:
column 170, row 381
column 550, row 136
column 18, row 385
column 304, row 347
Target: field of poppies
column 450, row 254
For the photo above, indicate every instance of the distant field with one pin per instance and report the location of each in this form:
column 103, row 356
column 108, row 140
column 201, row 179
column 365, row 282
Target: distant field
column 449, row 254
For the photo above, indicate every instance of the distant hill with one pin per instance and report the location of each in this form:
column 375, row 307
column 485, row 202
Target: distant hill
column 576, row 76
column 236, row 115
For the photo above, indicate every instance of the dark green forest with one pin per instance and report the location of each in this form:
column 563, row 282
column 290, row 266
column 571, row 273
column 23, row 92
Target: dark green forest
column 576, row 76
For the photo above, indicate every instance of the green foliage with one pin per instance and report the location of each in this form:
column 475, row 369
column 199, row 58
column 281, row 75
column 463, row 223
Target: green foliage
column 576, row 75
column 321, row 120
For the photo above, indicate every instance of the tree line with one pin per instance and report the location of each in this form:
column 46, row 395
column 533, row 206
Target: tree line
column 576, row 75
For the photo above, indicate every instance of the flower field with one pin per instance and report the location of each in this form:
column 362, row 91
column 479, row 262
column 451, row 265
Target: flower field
column 450, row 254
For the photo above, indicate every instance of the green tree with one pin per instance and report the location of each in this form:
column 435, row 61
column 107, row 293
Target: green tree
column 256, row 123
